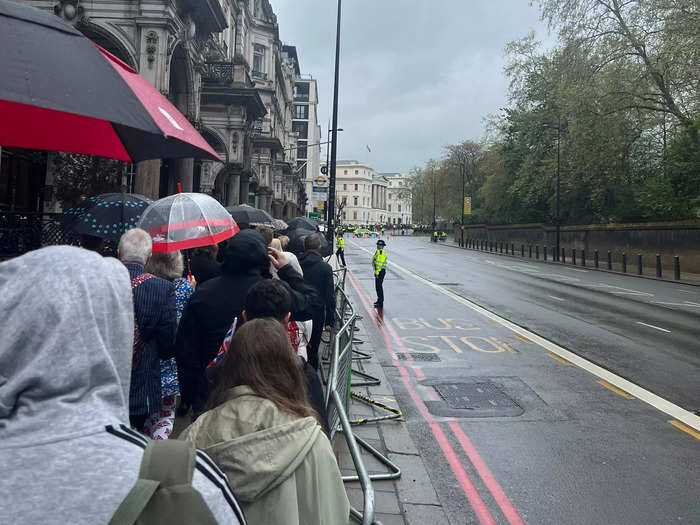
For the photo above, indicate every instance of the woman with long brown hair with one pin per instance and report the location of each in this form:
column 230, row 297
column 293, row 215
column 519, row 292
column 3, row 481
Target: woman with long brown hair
column 261, row 431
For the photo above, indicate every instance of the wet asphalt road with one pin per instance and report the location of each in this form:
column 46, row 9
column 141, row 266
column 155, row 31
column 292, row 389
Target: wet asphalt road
column 511, row 434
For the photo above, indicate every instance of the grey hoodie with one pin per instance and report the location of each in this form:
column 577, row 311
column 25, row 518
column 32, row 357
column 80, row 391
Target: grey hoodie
column 66, row 335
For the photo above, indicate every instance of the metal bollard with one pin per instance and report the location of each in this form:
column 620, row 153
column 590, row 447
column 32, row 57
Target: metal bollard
column 563, row 255
column 522, row 250
column 537, row 251
column 676, row 268
column 500, row 247
column 658, row 265
column 583, row 258
column 512, row 249
column 529, row 250
column 639, row 264
column 595, row 258
column 609, row 260
column 624, row 262
column 545, row 253
column 573, row 256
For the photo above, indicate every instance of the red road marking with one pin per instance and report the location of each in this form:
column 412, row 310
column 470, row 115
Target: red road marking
column 475, row 500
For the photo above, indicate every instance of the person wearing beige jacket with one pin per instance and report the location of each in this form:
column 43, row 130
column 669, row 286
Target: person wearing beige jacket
column 262, row 433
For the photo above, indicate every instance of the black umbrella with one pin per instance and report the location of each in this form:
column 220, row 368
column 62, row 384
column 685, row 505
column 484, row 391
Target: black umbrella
column 61, row 92
column 106, row 216
column 302, row 223
column 244, row 214
column 297, row 237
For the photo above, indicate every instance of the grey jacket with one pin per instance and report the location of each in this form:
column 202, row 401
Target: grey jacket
column 66, row 453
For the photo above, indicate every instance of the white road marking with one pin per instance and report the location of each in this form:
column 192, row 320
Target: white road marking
column 576, row 269
column 654, row 327
column 557, row 298
column 685, row 304
column 633, row 389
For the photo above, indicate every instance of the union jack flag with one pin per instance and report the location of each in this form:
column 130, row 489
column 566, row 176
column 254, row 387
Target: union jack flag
column 225, row 345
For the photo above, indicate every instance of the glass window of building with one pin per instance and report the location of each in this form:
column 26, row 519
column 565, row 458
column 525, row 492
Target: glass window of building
column 302, row 128
column 354, row 201
column 301, row 111
column 355, row 187
column 258, row 58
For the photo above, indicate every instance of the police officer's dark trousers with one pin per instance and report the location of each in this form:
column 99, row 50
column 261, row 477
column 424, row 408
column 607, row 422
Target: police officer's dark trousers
column 379, row 286
column 341, row 253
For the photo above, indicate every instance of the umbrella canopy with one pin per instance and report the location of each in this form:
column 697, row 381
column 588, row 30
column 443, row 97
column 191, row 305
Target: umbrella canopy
column 303, row 223
column 279, row 225
column 244, row 214
column 106, row 216
column 187, row 220
column 61, row 92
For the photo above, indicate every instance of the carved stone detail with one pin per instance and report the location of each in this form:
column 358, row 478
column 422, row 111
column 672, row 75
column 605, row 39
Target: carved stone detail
column 151, row 47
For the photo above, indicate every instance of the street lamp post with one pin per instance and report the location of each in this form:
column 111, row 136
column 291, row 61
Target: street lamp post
column 434, row 201
column 558, row 251
column 334, row 130
column 462, row 168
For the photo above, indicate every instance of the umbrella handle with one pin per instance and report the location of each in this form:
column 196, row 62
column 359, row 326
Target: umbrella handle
column 179, row 187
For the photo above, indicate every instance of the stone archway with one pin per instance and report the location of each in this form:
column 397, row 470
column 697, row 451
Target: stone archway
column 110, row 42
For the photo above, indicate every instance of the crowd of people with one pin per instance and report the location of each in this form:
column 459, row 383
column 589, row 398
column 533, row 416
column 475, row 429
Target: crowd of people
column 100, row 356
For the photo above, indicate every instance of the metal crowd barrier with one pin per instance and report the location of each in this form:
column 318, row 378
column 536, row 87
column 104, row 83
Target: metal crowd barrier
column 336, row 373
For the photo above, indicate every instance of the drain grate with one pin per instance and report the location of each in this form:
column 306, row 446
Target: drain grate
column 474, row 396
column 417, row 356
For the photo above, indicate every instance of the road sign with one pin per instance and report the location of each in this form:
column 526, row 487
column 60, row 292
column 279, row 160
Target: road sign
column 324, row 170
column 467, row 205
column 320, row 180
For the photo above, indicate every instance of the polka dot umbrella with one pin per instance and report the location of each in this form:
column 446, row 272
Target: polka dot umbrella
column 106, row 216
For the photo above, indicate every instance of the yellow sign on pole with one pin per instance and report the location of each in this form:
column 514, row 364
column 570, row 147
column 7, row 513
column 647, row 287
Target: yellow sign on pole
column 467, row 205
column 320, row 205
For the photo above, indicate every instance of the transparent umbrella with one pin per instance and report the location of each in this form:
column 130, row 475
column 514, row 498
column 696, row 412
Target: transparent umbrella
column 186, row 220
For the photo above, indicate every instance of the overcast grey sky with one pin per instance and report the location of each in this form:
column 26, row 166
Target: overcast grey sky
column 415, row 75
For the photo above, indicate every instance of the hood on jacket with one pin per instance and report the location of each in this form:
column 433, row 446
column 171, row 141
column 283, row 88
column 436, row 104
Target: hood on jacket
column 253, row 442
column 246, row 252
column 66, row 345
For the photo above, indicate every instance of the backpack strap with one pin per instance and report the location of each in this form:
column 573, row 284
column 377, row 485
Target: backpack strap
column 164, row 463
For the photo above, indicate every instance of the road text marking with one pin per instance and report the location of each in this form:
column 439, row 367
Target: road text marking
column 618, row 391
column 654, row 327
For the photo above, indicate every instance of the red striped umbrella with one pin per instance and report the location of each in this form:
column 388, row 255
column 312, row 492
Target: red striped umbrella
column 186, row 220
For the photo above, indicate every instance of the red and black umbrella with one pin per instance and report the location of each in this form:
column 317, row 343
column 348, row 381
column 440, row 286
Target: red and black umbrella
column 61, row 92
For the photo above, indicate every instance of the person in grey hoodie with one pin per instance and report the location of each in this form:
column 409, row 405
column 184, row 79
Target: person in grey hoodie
column 67, row 454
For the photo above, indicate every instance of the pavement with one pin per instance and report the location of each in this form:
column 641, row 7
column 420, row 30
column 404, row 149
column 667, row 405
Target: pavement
column 530, row 393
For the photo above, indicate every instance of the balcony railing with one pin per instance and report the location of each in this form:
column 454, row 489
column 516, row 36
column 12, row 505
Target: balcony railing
column 219, row 71
column 259, row 74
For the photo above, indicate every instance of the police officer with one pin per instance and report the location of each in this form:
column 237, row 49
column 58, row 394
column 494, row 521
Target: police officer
column 340, row 245
column 379, row 265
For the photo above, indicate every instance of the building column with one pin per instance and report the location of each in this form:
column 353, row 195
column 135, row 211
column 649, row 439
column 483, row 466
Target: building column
column 245, row 185
column 234, row 190
column 147, row 181
column 184, row 171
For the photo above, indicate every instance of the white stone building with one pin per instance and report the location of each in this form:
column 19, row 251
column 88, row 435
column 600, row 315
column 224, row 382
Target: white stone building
column 398, row 207
column 363, row 191
column 305, row 124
